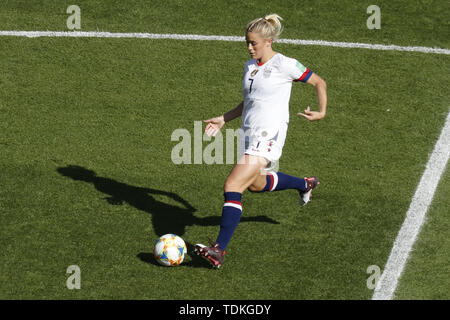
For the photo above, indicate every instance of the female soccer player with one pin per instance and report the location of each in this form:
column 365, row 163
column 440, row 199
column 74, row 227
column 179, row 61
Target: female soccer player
column 266, row 89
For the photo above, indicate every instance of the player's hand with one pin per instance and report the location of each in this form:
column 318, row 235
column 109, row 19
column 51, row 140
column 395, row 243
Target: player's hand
column 311, row 115
column 214, row 125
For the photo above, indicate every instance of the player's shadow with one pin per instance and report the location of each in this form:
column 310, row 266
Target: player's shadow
column 165, row 217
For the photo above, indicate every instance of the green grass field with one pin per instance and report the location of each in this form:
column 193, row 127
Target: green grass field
column 86, row 176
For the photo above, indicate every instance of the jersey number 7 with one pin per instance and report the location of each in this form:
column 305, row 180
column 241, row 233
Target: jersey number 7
column 251, row 84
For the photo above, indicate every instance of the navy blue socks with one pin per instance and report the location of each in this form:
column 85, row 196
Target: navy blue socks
column 231, row 215
column 232, row 207
column 279, row 181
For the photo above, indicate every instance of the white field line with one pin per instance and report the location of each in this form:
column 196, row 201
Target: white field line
column 415, row 216
column 95, row 34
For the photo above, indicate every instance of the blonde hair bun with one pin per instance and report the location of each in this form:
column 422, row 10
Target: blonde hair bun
column 269, row 26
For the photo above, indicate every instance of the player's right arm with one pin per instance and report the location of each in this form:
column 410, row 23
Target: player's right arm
column 215, row 124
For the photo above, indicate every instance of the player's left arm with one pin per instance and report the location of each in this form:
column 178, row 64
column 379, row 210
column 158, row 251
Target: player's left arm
column 321, row 90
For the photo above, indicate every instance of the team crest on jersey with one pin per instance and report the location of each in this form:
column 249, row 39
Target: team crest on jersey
column 267, row 72
column 254, row 72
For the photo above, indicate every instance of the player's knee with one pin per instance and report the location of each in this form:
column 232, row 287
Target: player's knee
column 232, row 186
column 228, row 186
column 254, row 188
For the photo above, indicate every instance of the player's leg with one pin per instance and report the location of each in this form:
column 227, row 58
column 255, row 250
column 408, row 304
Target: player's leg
column 271, row 149
column 259, row 184
column 241, row 177
column 277, row 181
column 244, row 174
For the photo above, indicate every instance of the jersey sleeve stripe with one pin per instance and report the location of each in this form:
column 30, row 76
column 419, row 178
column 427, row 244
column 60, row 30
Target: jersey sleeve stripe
column 305, row 76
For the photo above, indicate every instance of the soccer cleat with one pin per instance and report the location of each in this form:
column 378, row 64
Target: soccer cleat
column 305, row 197
column 214, row 255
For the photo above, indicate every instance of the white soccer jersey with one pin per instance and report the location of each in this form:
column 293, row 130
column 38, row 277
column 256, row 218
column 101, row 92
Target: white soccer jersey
column 266, row 89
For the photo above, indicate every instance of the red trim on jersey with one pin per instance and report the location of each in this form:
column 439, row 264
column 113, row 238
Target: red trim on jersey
column 260, row 63
column 305, row 76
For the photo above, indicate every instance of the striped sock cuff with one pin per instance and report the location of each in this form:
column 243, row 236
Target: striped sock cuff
column 272, row 181
column 235, row 204
column 233, row 199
